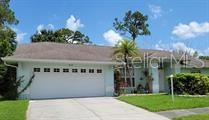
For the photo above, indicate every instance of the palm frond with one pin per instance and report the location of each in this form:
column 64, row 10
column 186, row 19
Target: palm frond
column 126, row 48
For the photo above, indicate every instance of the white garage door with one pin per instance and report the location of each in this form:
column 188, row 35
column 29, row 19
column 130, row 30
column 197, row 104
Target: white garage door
column 66, row 82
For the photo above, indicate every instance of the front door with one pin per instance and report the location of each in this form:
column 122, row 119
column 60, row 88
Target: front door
column 161, row 80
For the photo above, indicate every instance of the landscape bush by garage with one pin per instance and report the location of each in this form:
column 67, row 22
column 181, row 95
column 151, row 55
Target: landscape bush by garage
column 8, row 82
column 191, row 83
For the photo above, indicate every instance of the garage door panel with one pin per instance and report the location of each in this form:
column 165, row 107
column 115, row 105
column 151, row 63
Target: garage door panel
column 60, row 85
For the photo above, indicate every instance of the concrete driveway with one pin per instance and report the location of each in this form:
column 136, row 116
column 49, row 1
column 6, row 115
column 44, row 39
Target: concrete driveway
column 99, row 108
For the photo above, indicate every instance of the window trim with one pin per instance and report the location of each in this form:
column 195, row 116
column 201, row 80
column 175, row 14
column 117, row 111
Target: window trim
column 47, row 69
column 91, row 70
column 65, row 70
column 99, row 70
column 56, row 70
column 35, row 69
column 74, row 70
column 83, row 70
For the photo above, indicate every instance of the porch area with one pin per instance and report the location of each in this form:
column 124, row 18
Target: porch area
column 142, row 80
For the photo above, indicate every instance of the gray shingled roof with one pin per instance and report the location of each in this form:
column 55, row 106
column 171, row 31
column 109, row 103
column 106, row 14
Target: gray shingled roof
column 59, row 51
column 195, row 62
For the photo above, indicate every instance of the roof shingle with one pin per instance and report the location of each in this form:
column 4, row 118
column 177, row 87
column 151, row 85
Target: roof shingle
column 60, row 51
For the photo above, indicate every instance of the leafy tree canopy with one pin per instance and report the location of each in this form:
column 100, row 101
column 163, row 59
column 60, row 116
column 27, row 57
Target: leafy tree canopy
column 204, row 57
column 7, row 42
column 6, row 15
column 7, row 46
column 63, row 35
column 195, row 54
column 7, row 36
column 134, row 23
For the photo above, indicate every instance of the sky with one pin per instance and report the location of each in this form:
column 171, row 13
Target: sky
column 174, row 24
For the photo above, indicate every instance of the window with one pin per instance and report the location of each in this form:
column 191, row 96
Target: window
column 65, row 70
column 133, row 82
column 128, row 82
column 36, row 69
column 74, row 70
column 46, row 69
column 99, row 71
column 91, row 70
column 56, row 70
column 83, row 70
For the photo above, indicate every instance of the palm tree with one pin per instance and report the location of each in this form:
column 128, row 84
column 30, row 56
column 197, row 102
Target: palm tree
column 125, row 50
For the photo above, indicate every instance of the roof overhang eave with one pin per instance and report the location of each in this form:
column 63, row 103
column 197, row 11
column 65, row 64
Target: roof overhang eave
column 15, row 60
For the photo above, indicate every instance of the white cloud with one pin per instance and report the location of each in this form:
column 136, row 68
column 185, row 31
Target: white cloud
column 191, row 30
column 156, row 11
column 112, row 37
column 162, row 46
column 73, row 23
column 206, row 51
column 20, row 35
column 48, row 27
column 40, row 27
column 181, row 47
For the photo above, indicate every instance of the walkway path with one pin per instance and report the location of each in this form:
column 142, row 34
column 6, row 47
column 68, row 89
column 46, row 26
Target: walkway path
column 183, row 112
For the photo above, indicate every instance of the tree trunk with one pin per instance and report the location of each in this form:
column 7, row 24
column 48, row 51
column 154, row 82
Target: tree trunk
column 134, row 38
column 118, row 82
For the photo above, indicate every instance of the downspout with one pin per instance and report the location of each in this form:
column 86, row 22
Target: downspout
column 9, row 65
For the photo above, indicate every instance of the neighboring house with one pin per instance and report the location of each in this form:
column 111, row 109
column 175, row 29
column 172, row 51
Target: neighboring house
column 68, row 70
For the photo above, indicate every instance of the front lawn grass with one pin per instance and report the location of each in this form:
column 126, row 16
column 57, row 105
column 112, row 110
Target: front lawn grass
column 194, row 117
column 157, row 103
column 13, row 110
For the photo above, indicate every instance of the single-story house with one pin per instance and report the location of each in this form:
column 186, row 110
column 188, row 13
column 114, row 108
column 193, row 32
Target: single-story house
column 69, row 70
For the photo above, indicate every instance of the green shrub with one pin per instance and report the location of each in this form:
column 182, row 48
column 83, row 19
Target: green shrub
column 8, row 82
column 191, row 83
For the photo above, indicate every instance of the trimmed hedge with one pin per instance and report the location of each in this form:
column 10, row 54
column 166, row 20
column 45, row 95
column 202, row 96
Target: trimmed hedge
column 191, row 83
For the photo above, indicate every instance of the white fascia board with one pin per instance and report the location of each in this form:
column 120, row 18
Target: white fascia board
column 60, row 61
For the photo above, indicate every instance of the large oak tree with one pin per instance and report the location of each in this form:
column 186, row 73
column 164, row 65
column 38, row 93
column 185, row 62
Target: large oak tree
column 63, row 35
